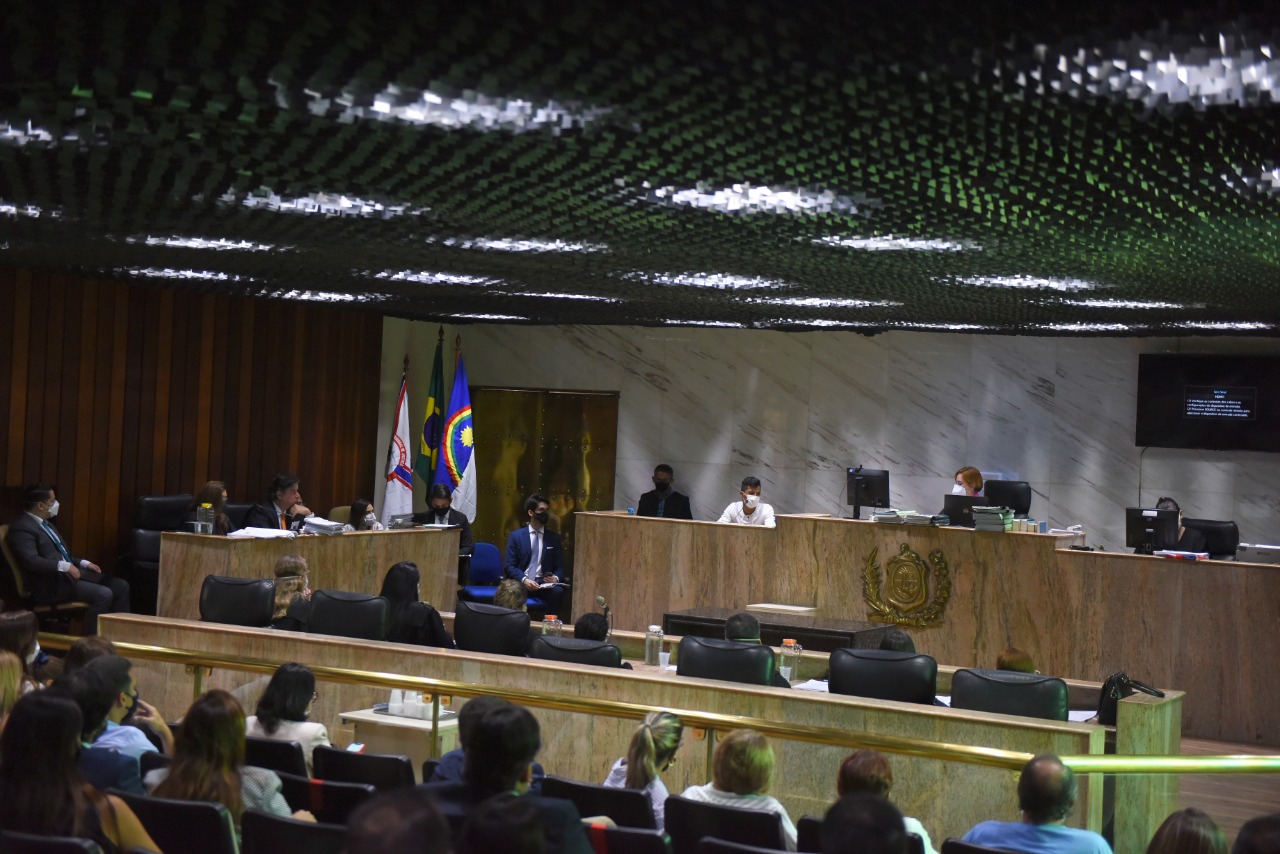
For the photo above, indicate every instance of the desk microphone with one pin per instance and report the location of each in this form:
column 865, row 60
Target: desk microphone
column 608, row 615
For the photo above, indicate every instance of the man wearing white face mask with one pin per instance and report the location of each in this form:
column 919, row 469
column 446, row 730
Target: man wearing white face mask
column 51, row 573
column 750, row 510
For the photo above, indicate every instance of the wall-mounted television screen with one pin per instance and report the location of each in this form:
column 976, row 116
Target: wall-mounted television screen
column 1219, row 403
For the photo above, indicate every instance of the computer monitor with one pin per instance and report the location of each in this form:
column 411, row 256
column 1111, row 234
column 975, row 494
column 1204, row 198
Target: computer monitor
column 959, row 508
column 868, row 487
column 1147, row 529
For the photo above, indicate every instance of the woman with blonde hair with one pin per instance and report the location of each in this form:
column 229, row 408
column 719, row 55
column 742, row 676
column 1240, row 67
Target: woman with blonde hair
column 11, row 676
column 742, row 770
column 19, row 634
column 293, row 594
column 652, row 750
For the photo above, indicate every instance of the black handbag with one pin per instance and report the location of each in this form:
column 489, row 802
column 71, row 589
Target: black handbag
column 1118, row 686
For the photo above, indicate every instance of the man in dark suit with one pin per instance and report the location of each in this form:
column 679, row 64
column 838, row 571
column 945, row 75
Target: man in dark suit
column 440, row 500
column 51, row 573
column 284, row 508
column 664, row 501
column 535, row 556
column 499, row 761
column 103, row 767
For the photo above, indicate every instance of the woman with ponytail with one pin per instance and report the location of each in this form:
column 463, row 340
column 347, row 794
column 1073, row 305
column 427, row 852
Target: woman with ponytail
column 653, row 749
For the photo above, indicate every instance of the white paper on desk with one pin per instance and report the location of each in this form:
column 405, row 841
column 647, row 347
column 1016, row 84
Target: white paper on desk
column 1074, row 716
column 811, row 685
column 262, row 534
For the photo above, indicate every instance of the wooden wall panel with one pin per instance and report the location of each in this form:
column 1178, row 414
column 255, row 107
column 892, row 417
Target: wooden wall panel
column 114, row 390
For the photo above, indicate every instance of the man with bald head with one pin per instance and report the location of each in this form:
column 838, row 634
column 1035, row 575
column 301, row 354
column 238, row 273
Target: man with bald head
column 1046, row 794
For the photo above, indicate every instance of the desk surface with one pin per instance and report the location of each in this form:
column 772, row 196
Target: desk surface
column 369, row 716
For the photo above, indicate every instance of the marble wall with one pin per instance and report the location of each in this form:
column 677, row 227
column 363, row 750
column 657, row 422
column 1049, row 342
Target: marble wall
column 796, row 408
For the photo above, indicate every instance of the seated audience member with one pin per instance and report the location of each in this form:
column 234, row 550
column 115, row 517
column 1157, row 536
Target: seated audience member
column 742, row 770
column 19, row 634
column 749, row 509
column 45, row 559
column 11, row 680
column 284, row 508
column 451, row 765
column 440, row 512
column 499, row 759
column 213, row 493
column 507, row 823
column 1189, row 539
column 968, row 482
column 1046, row 795
column 42, row 793
column 293, row 594
column 652, row 750
column 511, row 594
column 535, row 554
column 363, row 518
column 411, row 620
column 284, row 708
column 863, row 823
column 86, row 649
column 102, row 767
column 403, row 821
column 128, row 739
column 898, row 641
column 663, row 501
column 1259, row 835
column 1188, row 831
column 745, row 628
column 592, row 626
column 208, row 764
column 1016, row 660
column 868, row 772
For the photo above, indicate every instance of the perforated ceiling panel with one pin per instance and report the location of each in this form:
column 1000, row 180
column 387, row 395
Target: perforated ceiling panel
column 1029, row 168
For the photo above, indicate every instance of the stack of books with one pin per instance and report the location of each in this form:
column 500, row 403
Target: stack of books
column 316, row 525
column 890, row 516
column 992, row 518
column 921, row 519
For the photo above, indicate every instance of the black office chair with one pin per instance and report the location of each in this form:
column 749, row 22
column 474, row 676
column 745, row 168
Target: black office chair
column 152, row 515
column 192, row 827
column 712, row 845
column 1006, row 692
column 152, row 760
column 277, row 755
column 28, row 843
column 1014, row 494
column 238, row 601
column 263, row 833
column 688, row 822
column 576, row 651
column 330, row 801
column 956, row 846
column 627, row 807
column 478, row 627
column 349, row 615
column 884, row 674
column 428, row 768
column 237, row 512
column 731, row 661
column 383, row 771
column 1221, row 539
column 809, row 834
column 628, row 840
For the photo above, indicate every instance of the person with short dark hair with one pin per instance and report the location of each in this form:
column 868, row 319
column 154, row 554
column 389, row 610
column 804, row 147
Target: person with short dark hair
column 51, row 573
column 1259, row 835
column 283, row 711
column 284, row 508
column 745, row 628
column 440, row 512
column 86, row 649
column 118, row 735
column 362, row 516
column 412, row 620
column 749, row 509
column 867, row 772
column 863, row 823
column 507, row 823
column 1188, row 831
column 535, row 556
column 103, row 767
column 451, row 765
column 1046, row 795
column 663, row 501
column 1189, row 539
column 501, row 747
column 402, row 821
column 898, row 641
column 591, row 626
column 741, row 773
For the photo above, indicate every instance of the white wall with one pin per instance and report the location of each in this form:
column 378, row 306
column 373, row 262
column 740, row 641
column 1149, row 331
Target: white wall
column 796, row 408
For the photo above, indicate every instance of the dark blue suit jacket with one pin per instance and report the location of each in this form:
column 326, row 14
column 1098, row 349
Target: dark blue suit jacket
column 520, row 552
column 104, row 768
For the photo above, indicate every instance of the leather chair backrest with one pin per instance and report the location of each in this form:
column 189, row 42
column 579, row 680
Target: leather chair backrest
column 161, row 512
column 265, row 833
column 627, row 807
column 146, row 548
column 383, row 771
column 12, row 842
column 274, row 754
column 1221, row 538
column 884, row 674
column 237, row 601
column 341, row 513
column 731, row 661
column 628, row 840
column 576, row 651
column 237, row 512
column 1014, row 494
column 193, row 827
column 959, row 846
column 1006, row 692
column 349, row 615
column 689, row 821
column 486, row 565
column 329, row 801
column 479, row 627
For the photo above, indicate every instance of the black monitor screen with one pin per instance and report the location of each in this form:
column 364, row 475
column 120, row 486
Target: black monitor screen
column 959, row 508
column 1149, row 530
column 1208, row 402
column 868, row 487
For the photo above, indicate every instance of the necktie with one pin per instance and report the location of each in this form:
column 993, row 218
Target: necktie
column 283, row 525
column 57, row 541
column 536, row 564
column 662, row 506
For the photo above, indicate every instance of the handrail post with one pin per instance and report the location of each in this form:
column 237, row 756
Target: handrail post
column 435, row 726
column 708, row 772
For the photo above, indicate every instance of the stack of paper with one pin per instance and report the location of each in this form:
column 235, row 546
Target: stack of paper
column 261, row 534
column 317, row 525
column 891, row 516
column 992, row 518
column 921, row 519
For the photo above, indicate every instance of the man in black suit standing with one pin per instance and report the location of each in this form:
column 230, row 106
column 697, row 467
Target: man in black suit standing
column 284, row 508
column 663, row 500
column 51, row 573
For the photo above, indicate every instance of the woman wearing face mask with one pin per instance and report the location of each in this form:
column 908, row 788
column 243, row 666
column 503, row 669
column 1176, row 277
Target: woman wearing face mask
column 362, row 518
column 968, row 482
column 19, row 632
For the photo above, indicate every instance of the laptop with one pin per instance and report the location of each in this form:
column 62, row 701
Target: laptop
column 959, row 508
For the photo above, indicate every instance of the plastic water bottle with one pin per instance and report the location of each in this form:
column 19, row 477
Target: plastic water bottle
column 652, row 645
column 790, row 663
column 552, row 625
column 204, row 519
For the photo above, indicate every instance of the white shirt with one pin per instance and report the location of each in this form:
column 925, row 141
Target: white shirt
column 306, row 733
column 128, row 740
column 709, row 794
column 536, row 544
column 656, row 790
column 763, row 515
column 63, row 565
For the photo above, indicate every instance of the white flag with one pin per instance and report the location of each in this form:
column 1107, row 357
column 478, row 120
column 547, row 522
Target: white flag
column 398, row 499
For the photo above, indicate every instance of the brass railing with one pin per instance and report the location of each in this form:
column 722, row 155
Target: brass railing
column 712, row 721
